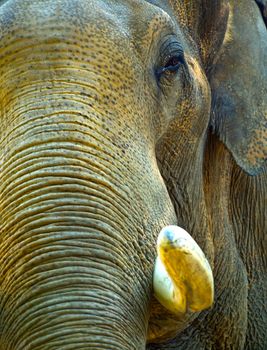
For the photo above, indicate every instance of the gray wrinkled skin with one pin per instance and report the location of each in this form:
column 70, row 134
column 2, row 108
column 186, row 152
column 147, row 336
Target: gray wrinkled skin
column 98, row 152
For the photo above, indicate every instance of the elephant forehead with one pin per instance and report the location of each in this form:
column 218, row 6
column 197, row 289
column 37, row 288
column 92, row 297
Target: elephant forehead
column 123, row 22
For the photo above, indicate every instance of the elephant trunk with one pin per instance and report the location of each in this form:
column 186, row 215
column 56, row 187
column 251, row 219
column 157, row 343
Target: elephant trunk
column 66, row 282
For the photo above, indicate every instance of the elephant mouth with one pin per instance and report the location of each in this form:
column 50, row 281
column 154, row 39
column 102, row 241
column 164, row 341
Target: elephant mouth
column 183, row 279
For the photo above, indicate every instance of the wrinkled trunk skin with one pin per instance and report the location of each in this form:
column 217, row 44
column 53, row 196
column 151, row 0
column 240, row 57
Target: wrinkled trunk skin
column 62, row 218
column 78, row 199
column 63, row 277
column 74, row 255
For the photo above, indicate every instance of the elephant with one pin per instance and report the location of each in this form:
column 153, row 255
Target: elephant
column 133, row 174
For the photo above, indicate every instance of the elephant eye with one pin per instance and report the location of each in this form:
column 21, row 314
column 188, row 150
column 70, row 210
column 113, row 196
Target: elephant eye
column 173, row 64
column 172, row 59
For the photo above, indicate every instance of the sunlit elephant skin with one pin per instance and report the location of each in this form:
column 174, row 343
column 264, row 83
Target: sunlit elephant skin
column 110, row 131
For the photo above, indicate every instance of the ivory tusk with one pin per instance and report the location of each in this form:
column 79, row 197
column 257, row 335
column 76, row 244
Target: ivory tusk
column 182, row 279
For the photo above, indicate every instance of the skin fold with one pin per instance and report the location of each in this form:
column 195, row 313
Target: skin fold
column 119, row 118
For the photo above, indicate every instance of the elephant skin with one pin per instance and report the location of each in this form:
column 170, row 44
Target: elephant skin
column 119, row 118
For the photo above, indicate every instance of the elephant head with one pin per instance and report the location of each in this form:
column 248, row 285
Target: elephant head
column 105, row 109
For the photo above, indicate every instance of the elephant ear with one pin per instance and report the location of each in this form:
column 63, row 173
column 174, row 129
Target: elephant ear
column 206, row 22
column 239, row 87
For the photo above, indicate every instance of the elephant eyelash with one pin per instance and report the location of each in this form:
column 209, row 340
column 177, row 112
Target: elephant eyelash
column 170, row 62
column 166, row 75
column 172, row 65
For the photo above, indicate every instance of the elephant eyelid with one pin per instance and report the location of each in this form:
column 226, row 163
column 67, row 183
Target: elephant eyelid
column 172, row 65
column 171, row 58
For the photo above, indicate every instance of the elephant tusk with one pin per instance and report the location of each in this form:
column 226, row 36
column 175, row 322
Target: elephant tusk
column 183, row 279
